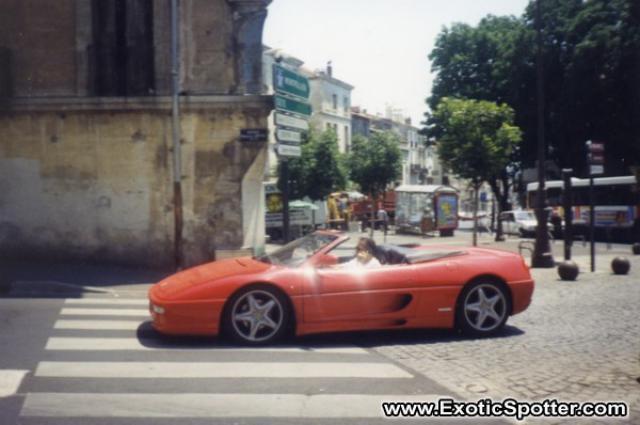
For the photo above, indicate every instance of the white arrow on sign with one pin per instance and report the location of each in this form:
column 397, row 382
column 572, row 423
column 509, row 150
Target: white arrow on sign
column 293, row 122
column 288, row 150
column 288, row 136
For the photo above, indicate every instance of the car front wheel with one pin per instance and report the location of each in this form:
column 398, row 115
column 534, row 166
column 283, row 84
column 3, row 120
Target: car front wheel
column 257, row 315
column 483, row 309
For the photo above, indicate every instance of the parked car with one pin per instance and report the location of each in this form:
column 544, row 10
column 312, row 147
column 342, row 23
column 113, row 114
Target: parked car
column 298, row 290
column 520, row 222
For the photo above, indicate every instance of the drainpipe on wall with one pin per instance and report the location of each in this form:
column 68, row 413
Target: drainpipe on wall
column 177, row 157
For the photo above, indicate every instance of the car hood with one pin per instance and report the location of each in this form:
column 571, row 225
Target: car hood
column 207, row 273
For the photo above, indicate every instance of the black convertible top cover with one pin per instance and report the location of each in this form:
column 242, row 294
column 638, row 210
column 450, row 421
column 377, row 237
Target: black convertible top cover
column 393, row 254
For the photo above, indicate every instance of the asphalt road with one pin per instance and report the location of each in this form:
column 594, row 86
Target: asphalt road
column 95, row 360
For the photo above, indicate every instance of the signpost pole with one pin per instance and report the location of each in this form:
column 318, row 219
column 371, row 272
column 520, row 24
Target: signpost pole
column 595, row 164
column 592, row 227
column 285, row 200
column 567, row 202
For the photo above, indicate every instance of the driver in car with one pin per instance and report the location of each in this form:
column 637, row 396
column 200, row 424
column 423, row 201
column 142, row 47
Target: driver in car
column 364, row 255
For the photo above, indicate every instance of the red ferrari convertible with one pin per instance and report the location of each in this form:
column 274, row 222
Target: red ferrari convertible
column 299, row 289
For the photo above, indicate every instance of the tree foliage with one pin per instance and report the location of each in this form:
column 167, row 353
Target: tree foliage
column 320, row 169
column 375, row 163
column 591, row 56
column 476, row 140
column 475, row 137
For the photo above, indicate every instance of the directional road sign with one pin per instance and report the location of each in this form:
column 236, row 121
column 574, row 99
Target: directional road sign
column 288, row 137
column 289, row 82
column 293, row 106
column 288, row 150
column 283, row 120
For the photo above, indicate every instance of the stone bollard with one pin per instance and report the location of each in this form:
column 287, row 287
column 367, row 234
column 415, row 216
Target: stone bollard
column 568, row 270
column 636, row 248
column 620, row 265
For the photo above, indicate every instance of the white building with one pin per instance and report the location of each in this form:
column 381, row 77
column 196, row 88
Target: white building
column 331, row 103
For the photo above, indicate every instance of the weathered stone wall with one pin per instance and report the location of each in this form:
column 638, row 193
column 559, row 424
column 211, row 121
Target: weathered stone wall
column 94, row 180
column 40, row 50
column 86, row 173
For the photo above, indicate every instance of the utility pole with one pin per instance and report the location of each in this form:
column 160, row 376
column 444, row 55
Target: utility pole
column 175, row 124
column 567, row 205
column 542, row 256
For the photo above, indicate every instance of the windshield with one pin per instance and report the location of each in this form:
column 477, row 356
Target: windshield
column 525, row 215
column 297, row 252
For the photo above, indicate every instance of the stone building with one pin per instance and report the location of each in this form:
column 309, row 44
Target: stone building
column 420, row 163
column 86, row 157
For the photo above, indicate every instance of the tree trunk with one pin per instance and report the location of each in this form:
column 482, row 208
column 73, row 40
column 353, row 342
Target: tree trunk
column 476, row 188
column 502, row 196
column 373, row 215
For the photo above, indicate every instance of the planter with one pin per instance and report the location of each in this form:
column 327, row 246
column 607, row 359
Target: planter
column 568, row 270
column 620, row 265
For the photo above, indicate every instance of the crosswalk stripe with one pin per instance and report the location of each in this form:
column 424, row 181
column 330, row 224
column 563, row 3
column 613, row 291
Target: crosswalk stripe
column 10, row 381
column 108, row 344
column 91, row 405
column 218, row 370
column 106, row 301
column 120, row 325
column 72, row 311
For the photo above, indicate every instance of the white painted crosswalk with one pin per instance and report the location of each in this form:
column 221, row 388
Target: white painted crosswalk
column 72, row 311
column 219, row 370
column 97, row 356
column 334, row 406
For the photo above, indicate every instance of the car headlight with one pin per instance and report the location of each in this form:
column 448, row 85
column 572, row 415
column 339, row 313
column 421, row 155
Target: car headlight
column 157, row 309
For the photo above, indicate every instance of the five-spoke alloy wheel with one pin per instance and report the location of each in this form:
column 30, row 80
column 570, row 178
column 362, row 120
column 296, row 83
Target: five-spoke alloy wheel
column 257, row 315
column 483, row 308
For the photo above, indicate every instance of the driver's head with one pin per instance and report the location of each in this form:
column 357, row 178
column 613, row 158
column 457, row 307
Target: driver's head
column 366, row 245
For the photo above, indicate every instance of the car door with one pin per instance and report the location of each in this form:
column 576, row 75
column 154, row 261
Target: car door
column 334, row 294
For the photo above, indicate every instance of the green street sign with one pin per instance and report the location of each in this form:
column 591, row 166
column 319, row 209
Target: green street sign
column 294, row 106
column 288, row 82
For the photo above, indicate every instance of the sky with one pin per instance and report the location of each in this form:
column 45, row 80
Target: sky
column 379, row 46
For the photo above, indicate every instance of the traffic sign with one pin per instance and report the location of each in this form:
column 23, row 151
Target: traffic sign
column 288, row 150
column 595, row 146
column 289, row 82
column 288, row 137
column 286, row 104
column 596, row 158
column 596, row 169
column 254, row 134
column 291, row 122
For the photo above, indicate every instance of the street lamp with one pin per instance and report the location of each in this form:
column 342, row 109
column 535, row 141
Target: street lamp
column 542, row 256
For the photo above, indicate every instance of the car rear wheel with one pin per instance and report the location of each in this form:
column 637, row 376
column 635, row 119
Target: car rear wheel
column 483, row 308
column 257, row 315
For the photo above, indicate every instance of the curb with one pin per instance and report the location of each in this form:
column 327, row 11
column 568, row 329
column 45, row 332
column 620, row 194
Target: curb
column 43, row 287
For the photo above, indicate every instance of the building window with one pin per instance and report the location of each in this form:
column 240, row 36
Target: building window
column 328, row 126
column 335, row 102
column 121, row 55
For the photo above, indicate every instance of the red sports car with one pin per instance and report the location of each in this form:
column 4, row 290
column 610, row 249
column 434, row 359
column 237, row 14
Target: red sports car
column 299, row 289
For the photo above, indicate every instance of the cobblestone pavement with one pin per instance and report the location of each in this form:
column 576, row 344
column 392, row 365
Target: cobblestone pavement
column 578, row 341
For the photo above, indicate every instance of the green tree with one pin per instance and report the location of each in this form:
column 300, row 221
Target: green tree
column 591, row 57
column 318, row 171
column 475, row 141
column 491, row 61
column 375, row 163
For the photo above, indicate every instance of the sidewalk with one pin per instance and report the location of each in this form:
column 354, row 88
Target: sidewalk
column 27, row 277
